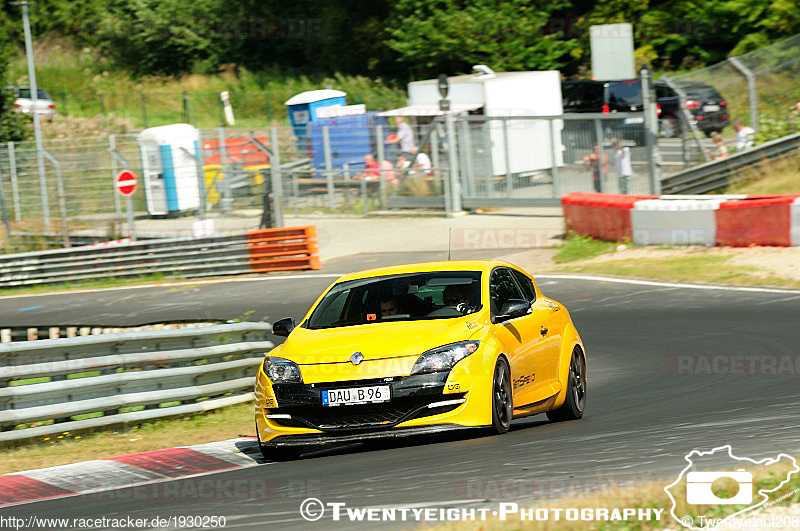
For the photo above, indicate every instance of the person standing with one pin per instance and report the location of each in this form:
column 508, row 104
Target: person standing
column 622, row 163
column 405, row 136
column 592, row 161
column 744, row 135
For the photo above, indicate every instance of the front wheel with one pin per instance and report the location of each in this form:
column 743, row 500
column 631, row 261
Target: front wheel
column 502, row 402
column 575, row 402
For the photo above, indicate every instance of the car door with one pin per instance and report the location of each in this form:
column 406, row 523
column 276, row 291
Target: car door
column 543, row 309
column 521, row 337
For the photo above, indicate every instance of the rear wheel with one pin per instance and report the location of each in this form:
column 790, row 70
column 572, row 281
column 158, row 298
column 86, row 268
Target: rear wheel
column 502, row 402
column 575, row 402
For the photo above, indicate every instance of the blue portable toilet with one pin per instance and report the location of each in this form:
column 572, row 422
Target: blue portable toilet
column 351, row 137
column 171, row 180
column 302, row 108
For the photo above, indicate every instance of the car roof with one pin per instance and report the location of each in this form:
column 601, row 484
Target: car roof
column 423, row 267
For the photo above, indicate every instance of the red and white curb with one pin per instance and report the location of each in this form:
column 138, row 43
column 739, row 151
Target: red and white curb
column 125, row 471
column 730, row 220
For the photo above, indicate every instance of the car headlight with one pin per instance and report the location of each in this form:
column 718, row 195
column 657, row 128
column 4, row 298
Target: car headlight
column 282, row 370
column 444, row 358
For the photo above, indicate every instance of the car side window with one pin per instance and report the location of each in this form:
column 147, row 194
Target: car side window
column 502, row 288
column 663, row 91
column 526, row 285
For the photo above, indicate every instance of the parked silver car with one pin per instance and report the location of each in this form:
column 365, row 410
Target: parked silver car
column 45, row 106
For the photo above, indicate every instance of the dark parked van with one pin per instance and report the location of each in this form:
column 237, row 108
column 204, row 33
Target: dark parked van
column 708, row 108
column 586, row 96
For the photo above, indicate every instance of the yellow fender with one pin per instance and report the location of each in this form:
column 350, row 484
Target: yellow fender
column 568, row 342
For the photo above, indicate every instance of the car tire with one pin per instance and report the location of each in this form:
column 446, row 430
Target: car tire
column 502, row 400
column 575, row 403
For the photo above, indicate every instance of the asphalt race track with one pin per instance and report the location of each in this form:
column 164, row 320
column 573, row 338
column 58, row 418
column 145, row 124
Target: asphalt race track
column 671, row 369
column 268, row 297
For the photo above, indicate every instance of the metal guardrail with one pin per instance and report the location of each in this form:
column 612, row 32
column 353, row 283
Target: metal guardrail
column 718, row 174
column 37, row 333
column 251, row 252
column 155, row 374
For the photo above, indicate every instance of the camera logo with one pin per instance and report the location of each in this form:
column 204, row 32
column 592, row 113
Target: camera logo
column 699, row 488
column 714, row 497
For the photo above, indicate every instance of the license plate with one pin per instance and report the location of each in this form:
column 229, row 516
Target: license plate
column 634, row 120
column 710, row 108
column 356, row 395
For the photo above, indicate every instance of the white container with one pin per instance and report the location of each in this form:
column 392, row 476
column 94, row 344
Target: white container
column 502, row 94
column 169, row 169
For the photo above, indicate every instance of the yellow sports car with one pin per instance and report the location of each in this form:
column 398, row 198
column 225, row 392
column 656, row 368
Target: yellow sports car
column 417, row 349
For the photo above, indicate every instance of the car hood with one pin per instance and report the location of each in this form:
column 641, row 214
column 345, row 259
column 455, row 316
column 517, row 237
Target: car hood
column 375, row 341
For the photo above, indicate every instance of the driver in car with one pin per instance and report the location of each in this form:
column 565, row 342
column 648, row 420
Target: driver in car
column 455, row 295
column 390, row 306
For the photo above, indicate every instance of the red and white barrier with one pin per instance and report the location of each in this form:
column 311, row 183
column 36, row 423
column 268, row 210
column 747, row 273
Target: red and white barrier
column 795, row 222
column 155, row 469
column 729, row 220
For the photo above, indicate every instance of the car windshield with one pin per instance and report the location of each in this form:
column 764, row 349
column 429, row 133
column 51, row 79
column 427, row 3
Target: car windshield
column 25, row 93
column 407, row 297
column 625, row 93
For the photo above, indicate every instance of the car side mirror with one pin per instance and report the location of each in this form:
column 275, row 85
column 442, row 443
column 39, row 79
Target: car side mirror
column 512, row 309
column 283, row 327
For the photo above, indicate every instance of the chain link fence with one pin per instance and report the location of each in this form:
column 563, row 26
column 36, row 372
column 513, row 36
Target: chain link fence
column 339, row 167
column 471, row 161
column 760, row 87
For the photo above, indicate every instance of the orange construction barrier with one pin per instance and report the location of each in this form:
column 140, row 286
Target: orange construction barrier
column 283, row 249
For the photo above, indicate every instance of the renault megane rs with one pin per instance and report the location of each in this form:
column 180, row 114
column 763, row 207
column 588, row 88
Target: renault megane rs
column 416, row 349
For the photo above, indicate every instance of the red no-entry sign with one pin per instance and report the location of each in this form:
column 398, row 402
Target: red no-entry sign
column 125, row 183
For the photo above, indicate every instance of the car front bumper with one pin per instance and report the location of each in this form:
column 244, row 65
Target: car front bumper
column 419, row 404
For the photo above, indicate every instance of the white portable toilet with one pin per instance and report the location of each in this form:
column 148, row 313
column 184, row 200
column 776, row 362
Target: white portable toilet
column 169, row 171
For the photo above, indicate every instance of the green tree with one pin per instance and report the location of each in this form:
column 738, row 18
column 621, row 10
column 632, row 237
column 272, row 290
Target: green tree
column 433, row 36
column 12, row 124
column 156, row 37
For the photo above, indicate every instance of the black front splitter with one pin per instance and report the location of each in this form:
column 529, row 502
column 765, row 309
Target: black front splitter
column 318, row 439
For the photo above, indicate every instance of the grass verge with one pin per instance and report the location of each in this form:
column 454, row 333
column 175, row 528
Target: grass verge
column 218, row 425
column 578, row 247
column 692, row 268
column 777, row 177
